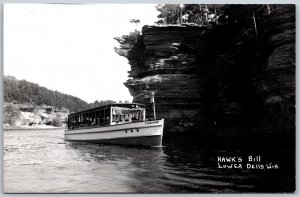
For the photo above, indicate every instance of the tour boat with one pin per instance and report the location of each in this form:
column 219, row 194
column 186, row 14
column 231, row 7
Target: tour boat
column 123, row 124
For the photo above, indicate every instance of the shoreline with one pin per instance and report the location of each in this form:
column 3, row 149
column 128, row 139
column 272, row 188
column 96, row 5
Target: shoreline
column 35, row 128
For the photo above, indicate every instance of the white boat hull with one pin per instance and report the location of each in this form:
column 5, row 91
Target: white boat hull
column 148, row 133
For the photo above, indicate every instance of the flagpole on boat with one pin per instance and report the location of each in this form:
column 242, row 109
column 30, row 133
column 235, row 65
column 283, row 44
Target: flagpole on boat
column 153, row 106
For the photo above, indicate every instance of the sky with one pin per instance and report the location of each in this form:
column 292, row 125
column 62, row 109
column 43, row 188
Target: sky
column 70, row 48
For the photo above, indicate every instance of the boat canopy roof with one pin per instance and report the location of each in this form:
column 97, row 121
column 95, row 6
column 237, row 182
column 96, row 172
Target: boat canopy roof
column 123, row 105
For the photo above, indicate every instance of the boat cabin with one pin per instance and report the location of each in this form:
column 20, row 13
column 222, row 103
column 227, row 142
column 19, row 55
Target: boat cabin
column 108, row 115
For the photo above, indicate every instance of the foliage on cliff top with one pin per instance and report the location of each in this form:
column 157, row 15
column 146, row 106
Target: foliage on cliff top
column 204, row 14
column 188, row 13
column 132, row 38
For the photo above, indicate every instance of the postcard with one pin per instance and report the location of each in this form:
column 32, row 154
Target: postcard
column 149, row 98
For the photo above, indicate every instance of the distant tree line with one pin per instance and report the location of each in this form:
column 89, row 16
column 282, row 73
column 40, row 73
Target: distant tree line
column 22, row 91
column 101, row 103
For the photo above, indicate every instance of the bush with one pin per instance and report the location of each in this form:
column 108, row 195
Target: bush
column 11, row 114
column 57, row 122
column 132, row 38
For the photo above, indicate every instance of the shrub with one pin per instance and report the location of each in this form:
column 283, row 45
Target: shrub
column 57, row 122
column 11, row 114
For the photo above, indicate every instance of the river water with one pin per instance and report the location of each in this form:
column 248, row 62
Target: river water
column 41, row 161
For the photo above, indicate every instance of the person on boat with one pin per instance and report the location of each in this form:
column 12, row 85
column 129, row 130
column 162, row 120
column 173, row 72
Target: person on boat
column 126, row 118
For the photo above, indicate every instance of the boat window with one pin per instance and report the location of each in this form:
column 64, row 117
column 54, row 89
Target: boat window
column 106, row 116
column 121, row 115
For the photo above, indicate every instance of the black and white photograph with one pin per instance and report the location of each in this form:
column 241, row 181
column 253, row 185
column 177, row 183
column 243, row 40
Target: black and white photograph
column 149, row 98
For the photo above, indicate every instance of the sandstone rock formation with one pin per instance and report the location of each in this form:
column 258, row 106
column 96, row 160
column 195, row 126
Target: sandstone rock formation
column 29, row 116
column 212, row 78
column 275, row 79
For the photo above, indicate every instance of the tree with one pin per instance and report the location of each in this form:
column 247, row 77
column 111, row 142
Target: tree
column 204, row 14
column 57, row 121
column 191, row 13
column 169, row 13
column 11, row 114
column 136, row 22
column 22, row 91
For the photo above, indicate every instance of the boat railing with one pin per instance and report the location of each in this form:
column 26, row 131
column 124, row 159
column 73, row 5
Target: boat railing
column 103, row 125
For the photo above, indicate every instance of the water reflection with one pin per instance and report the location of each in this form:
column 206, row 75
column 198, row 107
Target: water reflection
column 39, row 161
column 174, row 168
column 142, row 167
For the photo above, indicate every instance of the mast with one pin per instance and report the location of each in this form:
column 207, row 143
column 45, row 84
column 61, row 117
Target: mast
column 153, row 106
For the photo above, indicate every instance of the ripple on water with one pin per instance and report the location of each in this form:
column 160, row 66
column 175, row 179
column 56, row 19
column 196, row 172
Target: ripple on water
column 39, row 161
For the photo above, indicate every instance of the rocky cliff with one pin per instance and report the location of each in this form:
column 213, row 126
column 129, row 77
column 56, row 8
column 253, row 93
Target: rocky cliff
column 208, row 79
column 27, row 116
column 274, row 78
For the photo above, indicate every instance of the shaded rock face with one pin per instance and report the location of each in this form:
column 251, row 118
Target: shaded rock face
column 275, row 77
column 209, row 79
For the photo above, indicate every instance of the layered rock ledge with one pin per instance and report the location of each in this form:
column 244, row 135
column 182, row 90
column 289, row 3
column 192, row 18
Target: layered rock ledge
column 207, row 79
